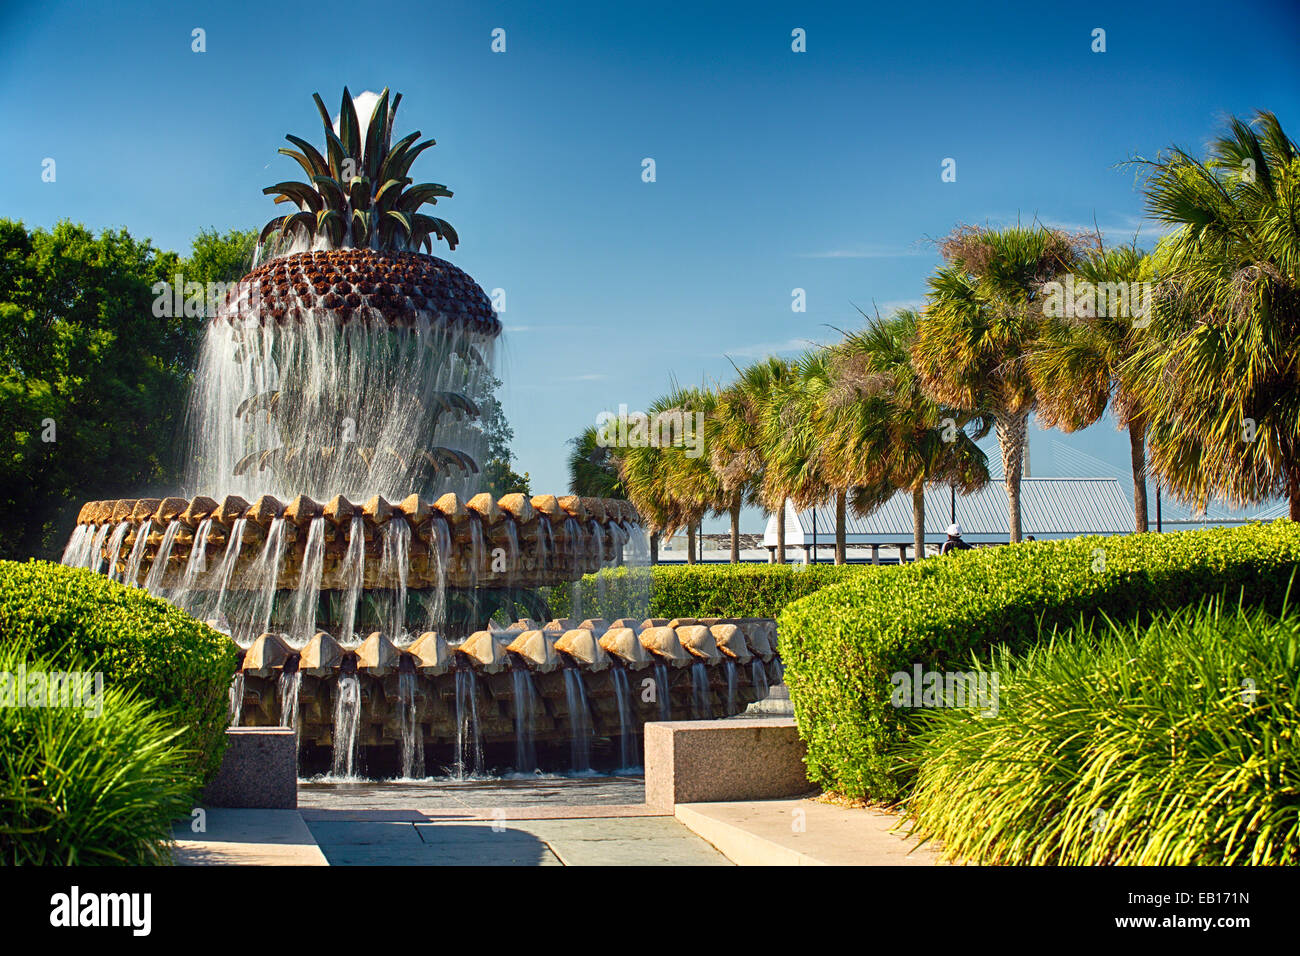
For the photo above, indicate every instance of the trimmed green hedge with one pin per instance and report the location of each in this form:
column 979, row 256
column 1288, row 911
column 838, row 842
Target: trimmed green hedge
column 700, row 590
column 1171, row 744
column 95, row 784
column 841, row 645
column 140, row 643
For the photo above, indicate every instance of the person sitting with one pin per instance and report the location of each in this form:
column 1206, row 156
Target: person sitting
column 954, row 541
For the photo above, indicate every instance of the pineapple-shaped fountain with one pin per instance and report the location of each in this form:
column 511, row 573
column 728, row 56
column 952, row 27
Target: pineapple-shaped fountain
column 335, row 451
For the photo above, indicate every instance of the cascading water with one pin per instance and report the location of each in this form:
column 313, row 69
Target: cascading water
column 629, row 754
column 287, row 688
column 701, row 708
column 264, row 576
column 195, row 565
column 598, row 539
column 662, row 693
column 364, row 389
column 307, row 595
column 759, row 677
column 115, row 547
column 75, row 551
column 225, row 572
column 412, row 741
column 154, row 580
column 525, row 702
column 236, row 698
column 393, row 564
column 469, row 740
column 440, row 554
column 579, row 720
column 354, row 574
column 347, row 718
column 96, row 556
column 729, row 670
column 132, row 573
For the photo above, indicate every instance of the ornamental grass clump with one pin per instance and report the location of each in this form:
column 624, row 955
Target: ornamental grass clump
column 1169, row 743
column 94, row 782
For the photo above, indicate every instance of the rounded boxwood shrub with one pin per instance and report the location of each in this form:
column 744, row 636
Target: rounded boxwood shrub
column 140, row 643
column 842, row 645
column 86, row 787
column 1171, row 743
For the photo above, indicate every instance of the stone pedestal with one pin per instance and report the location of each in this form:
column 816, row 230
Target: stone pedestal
column 709, row 761
column 259, row 770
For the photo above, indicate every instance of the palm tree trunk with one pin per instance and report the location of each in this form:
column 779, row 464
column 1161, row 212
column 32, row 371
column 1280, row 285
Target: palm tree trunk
column 841, row 537
column 690, row 543
column 654, row 547
column 1138, row 454
column 918, row 522
column 735, row 531
column 780, row 534
column 1011, row 431
column 1293, row 490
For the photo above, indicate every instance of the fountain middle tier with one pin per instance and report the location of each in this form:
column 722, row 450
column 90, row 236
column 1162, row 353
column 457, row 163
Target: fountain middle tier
column 406, row 566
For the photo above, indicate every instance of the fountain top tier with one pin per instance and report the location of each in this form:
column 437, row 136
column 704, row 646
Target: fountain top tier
column 342, row 286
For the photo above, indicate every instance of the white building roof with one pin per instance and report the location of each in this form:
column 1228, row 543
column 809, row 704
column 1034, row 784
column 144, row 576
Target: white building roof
column 1049, row 507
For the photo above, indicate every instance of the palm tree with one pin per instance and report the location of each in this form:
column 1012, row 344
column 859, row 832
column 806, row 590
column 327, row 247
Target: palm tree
column 593, row 467
column 737, row 443
column 670, row 485
column 1076, row 366
column 982, row 317
column 733, row 455
column 885, row 433
column 1218, row 366
column 793, row 440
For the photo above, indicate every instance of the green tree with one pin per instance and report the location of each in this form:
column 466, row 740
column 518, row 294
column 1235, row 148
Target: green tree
column 593, row 467
column 92, row 383
column 982, row 317
column 1079, row 365
column 885, row 433
column 1218, row 366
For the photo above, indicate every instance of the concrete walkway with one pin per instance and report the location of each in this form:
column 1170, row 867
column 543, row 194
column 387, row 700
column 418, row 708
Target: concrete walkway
column 804, row 833
column 247, row 838
column 541, row 822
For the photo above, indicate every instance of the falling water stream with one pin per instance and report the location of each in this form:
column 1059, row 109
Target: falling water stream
column 307, row 596
column 393, row 564
column 287, row 691
column 579, row 720
column 629, row 755
column 132, row 574
column 154, row 580
column 347, row 718
column 700, row 696
column 525, row 702
column 412, row 739
column 662, row 691
column 469, row 741
column 354, row 573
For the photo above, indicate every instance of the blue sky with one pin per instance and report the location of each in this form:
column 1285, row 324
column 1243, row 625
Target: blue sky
column 775, row 170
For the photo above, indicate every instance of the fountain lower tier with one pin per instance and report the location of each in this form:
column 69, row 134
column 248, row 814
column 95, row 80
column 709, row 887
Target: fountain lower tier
column 527, row 684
